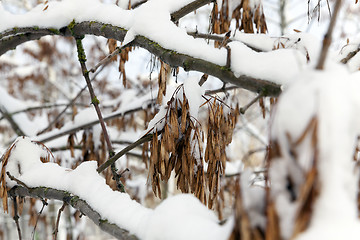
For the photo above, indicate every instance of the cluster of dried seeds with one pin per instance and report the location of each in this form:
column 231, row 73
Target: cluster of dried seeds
column 221, row 124
column 248, row 18
column 177, row 147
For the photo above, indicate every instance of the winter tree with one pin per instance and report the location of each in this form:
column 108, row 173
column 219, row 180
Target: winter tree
column 186, row 119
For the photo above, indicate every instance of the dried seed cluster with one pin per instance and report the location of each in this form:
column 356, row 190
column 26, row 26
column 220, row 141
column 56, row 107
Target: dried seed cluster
column 220, row 130
column 245, row 15
column 178, row 146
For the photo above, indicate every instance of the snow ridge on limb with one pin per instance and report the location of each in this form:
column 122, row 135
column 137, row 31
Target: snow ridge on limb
column 177, row 48
column 113, row 211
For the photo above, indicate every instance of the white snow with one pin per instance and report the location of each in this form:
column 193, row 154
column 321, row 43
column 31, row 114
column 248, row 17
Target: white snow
column 332, row 97
column 180, row 217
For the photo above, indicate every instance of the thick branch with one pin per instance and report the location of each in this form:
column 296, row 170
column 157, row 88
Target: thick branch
column 76, row 203
column 170, row 57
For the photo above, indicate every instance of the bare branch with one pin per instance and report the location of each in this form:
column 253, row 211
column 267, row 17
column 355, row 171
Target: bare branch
column 56, row 230
column 350, row 56
column 90, row 124
column 12, row 122
column 327, row 37
column 112, row 160
column 175, row 16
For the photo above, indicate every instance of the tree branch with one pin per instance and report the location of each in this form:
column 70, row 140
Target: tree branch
column 175, row 16
column 75, row 202
column 328, row 36
column 90, row 124
column 169, row 56
column 113, row 159
column 12, row 122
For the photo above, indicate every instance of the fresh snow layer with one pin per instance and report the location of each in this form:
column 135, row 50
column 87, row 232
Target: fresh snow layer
column 152, row 20
column 179, row 217
column 333, row 98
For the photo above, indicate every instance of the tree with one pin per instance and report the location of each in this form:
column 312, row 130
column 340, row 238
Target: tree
column 308, row 175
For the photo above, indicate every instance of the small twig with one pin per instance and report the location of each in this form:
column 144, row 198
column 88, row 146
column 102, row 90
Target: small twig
column 112, row 160
column 56, row 230
column 225, row 39
column 222, row 89
column 71, row 103
column 135, row 5
column 350, row 56
column 328, row 36
column 37, row 108
column 21, row 183
column 251, row 152
column 37, row 218
column 228, row 58
column 12, row 122
column 203, row 79
column 16, row 218
column 94, row 99
column 96, row 102
column 243, row 109
column 108, row 58
column 175, row 16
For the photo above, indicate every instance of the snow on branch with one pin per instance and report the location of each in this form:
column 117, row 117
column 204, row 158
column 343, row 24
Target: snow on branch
column 75, row 202
column 179, row 217
column 156, row 33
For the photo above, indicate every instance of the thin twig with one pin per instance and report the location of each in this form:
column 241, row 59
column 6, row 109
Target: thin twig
column 108, row 58
column 328, row 36
column 21, row 183
column 96, row 102
column 350, row 56
column 222, row 89
column 40, row 107
column 37, row 218
column 175, row 16
column 56, row 230
column 94, row 99
column 112, row 160
column 16, row 218
column 243, row 109
column 71, row 103
column 12, row 122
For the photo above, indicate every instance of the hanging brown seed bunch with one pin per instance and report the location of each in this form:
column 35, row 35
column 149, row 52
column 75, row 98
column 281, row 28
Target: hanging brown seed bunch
column 248, row 17
column 163, row 77
column 177, row 146
column 251, row 15
column 124, row 57
column 112, row 45
column 220, row 129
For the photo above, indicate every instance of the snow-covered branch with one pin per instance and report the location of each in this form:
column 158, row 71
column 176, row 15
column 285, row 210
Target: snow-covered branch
column 170, row 56
column 76, row 203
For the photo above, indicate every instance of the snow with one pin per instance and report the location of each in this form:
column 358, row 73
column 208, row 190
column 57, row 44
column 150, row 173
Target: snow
column 279, row 66
column 332, row 97
column 194, row 93
column 180, row 217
